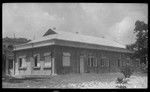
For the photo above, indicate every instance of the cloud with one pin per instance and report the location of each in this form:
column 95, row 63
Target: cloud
column 114, row 21
column 27, row 20
column 123, row 31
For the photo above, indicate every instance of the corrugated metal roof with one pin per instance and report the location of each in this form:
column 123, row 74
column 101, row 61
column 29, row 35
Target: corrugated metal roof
column 68, row 36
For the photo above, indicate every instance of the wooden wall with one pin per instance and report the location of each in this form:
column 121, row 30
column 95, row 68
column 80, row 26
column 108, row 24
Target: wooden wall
column 74, row 60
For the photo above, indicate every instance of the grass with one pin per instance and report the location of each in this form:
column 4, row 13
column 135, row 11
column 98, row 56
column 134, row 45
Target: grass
column 106, row 80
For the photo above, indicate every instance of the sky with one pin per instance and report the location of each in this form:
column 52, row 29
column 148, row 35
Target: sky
column 114, row 21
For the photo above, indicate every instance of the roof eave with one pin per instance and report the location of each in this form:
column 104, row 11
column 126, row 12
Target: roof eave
column 71, row 44
column 34, row 45
column 90, row 46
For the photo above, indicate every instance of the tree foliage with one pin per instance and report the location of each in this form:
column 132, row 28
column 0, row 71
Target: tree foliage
column 8, row 43
column 15, row 41
column 141, row 45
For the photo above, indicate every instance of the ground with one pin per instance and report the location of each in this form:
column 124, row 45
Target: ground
column 107, row 80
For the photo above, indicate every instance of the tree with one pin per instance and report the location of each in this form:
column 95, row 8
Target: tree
column 141, row 45
column 8, row 45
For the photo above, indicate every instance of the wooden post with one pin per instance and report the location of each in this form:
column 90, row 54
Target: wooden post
column 14, row 61
column 53, row 66
column 53, row 55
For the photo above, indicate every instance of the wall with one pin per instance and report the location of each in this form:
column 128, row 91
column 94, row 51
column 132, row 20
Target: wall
column 75, row 60
column 30, row 62
column 74, row 63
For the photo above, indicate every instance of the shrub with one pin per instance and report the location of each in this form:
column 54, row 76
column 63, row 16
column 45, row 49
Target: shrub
column 127, row 71
column 144, row 68
column 119, row 80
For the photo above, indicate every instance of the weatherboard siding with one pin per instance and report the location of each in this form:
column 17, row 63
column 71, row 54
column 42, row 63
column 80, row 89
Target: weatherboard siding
column 74, row 60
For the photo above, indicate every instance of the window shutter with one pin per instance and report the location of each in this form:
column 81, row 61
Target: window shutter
column 47, row 58
column 24, row 62
column 66, row 59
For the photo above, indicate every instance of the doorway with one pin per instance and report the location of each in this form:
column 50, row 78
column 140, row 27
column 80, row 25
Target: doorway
column 81, row 64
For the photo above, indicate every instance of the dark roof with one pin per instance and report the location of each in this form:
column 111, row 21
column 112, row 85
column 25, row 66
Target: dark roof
column 50, row 31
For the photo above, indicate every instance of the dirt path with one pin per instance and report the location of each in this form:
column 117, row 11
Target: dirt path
column 77, row 81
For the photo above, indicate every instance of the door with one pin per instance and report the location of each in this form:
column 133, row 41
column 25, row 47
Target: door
column 81, row 64
column 10, row 66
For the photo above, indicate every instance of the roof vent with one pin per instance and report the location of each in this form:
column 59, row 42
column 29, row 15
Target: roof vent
column 77, row 32
column 54, row 28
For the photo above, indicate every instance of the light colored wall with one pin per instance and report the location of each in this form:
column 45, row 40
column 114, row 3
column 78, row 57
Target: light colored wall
column 30, row 62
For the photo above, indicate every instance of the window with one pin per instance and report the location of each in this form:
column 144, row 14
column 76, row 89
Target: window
column 48, row 59
column 102, row 63
column 89, row 61
column 119, row 63
column 22, row 61
column 105, row 62
column 124, row 63
column 36, row 61
column 95, row 62
column 137, row 62
column 66, row 59
column 92, row 62
column 128, row 60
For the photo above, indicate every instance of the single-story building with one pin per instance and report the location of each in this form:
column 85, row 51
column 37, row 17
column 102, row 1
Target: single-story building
column 59, row 52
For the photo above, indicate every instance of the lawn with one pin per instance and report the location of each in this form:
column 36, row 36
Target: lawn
column 82, row 81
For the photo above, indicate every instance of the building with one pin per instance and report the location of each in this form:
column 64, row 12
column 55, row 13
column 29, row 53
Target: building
column 7, row 61
column 59, row 52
